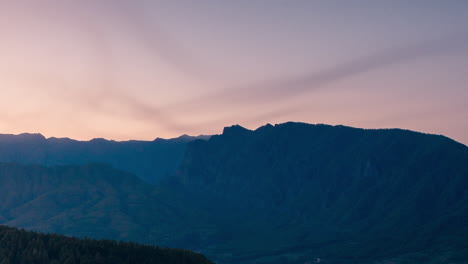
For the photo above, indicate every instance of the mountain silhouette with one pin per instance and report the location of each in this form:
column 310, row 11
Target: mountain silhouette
column 332, row 192
column 149, row 160
column 288, row 193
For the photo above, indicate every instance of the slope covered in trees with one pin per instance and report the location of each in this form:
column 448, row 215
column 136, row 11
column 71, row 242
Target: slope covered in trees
column 19, row 246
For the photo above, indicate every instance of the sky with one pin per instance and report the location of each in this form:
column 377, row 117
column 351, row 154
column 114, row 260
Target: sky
column 143, row 69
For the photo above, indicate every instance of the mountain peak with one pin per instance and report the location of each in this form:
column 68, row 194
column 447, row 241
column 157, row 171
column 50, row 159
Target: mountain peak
column 265, row 127
column 184, row 138
column 99, row 140
column 235, row 130
column 22, row 137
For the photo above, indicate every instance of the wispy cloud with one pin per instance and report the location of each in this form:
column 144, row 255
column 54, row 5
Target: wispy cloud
column 293, row 86
column 289, row 87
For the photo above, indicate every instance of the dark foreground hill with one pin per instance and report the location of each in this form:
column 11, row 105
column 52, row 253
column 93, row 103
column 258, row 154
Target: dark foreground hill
column 19, row 246
column 290, row 193
column 149, row 160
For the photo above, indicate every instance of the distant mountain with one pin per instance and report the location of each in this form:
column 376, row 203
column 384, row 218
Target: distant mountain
column 149, row 160
column 289, row 193
column 19, row 246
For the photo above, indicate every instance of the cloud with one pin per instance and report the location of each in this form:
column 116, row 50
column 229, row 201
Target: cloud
column 162, row 45
column 293, row 86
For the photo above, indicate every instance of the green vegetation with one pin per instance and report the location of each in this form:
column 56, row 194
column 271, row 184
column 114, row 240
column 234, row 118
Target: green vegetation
column 284, row 194
column 19, row 246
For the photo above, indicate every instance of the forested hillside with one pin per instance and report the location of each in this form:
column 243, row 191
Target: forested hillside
column 19, row 246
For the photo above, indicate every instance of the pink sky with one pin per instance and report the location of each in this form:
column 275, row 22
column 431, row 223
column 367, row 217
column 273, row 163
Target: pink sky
column 146, row 69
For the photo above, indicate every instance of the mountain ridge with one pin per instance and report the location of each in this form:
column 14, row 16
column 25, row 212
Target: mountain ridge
column 28, row 135
column 289, row 193
column 238, row 127
column 149, row 160
column 349, row 178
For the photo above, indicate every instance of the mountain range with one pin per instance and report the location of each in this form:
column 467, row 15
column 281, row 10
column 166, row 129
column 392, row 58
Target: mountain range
column 149, row 160
column 288, row 193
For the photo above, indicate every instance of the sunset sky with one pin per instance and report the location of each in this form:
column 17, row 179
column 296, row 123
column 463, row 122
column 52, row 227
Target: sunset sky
column 144, row 69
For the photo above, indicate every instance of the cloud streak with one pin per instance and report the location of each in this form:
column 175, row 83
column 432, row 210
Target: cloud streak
column 274, row 90
column 294, row 86
column 285, row 88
